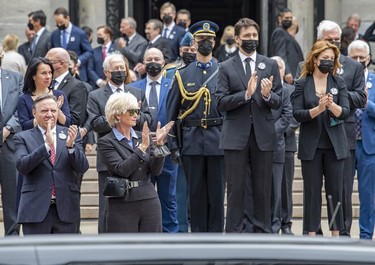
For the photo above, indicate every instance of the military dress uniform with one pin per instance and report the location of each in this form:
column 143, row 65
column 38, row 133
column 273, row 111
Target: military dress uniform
column 192, row 104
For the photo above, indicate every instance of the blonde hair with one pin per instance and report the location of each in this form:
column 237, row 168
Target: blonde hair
column 319, row 47
column 228, row 30
column 10, row 42
column 117, row 104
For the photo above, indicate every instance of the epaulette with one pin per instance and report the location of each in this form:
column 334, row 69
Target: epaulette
column 182, row 66
column 170, row 66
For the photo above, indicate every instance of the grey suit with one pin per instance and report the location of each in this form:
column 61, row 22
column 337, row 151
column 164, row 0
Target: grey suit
column 43, row 45
column 133, row 50
column 11, row 87
column 33, row 162
column 97, row 122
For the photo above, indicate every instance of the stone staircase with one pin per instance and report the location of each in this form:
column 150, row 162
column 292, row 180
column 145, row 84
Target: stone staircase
column 89, row 198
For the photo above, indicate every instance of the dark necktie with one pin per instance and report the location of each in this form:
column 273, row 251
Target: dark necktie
column 248, row 68
column 153, row 105
column 358, row 124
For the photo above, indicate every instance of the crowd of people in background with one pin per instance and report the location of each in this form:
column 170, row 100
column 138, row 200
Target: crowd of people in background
column 181, row 123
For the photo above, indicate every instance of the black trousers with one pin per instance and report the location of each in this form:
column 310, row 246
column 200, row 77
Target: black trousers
column 287, row 190
column 324, row 164
column 251, row 168
column 102, row 202
column 134, row 216
column 349, row 172
column 205, row 176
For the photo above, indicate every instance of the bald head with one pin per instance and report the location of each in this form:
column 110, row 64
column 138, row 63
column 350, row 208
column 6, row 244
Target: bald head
column 59, row 58
column 154, row 61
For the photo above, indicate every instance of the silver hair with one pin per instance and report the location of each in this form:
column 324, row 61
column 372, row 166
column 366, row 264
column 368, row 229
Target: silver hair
column 327, row 25
column 131, row 22
column 117, row 104
column 280, row 60
column 359, row 44
column 110, row 57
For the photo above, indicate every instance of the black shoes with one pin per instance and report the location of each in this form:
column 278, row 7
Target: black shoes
column 286, row 231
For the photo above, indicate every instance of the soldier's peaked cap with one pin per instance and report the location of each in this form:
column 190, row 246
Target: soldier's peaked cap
column 204, row 27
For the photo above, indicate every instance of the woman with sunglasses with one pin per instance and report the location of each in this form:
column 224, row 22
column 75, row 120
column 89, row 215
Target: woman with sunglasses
column 130, row 155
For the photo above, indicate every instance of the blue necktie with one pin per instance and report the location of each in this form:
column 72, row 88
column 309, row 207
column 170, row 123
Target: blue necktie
column 64, row 39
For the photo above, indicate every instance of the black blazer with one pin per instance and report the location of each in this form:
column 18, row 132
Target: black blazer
column 230, row 93
column 163, row 45
column 131, row 163
column 285, row 45
column 305, row 99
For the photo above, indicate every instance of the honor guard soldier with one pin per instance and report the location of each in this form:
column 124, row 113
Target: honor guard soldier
column 192, row 104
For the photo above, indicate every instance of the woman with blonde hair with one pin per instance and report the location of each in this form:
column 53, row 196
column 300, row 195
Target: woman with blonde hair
column 12, row 60
column 228, row 47
column 321, row 105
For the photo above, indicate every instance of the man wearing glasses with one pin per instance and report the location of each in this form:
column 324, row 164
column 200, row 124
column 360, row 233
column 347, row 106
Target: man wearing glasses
column 115, row 72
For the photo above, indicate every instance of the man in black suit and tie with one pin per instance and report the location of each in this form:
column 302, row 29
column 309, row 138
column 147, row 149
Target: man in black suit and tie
column 285, row 45
column 106, row 46
column 171, row 32
column 74, row 89
column 115, row 71
column 131, row 44
column 41, row 42
column 249, row 87
column 153, row 31
column 50, row 158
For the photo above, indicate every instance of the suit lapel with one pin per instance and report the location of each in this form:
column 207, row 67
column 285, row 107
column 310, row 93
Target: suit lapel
column 60, row 142
column 237, row 64
column 64, row 82
column 5, row 79
column 164, row 88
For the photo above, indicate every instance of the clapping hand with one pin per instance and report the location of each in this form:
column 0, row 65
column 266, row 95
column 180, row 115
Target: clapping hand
column 60, row 101
column 72, row 134
column 49, row 135
column 252, row 84
column 145, row 138
column 266, row 86
column 161, row 133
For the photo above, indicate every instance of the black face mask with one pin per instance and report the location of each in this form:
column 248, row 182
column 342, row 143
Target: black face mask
column 286, row 24
column 229, row 41
column 205, row 47
column 118, row 77
column 153, row 69
column 61, row 27
column 100, row 40
column 325, row 66
column 188, row 57
column 364, row 65
column 182, row 24
column 249, row 46
column 167, row 19
column 30, row 26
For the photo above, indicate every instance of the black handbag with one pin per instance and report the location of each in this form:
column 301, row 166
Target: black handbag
column 116, row 187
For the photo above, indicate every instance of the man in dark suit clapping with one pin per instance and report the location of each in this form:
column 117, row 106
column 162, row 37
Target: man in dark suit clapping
column 249, row 87
column 50, row 158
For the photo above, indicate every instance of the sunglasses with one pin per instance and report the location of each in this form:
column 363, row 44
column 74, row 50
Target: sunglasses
column 132, row 112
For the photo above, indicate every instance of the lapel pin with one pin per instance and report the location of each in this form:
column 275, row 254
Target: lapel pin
column 62, row 135
column 72, row 38
column 334, row 91
column 261, row 66
column 340, row 71
column 369, row 85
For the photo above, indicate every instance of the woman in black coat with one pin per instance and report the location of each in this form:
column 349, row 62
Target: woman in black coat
column 320, row 104
column 130, row 155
